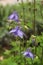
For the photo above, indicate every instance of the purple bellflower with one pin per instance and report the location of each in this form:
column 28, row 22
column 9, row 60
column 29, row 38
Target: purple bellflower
column 28, row 54
column 17, row 32
column 14, row 17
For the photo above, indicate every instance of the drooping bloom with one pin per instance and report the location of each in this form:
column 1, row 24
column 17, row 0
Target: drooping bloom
column 28, row 54
column 14, row 16
column 17, row 32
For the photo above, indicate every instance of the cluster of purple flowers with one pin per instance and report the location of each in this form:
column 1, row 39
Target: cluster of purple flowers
column 18, row 32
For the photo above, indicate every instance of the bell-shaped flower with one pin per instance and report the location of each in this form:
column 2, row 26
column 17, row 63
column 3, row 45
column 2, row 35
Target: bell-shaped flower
column 17, row 32
column 14, row 17
column 28, row 54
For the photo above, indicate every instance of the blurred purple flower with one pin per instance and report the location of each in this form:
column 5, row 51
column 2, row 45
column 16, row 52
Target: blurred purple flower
column 14, row 16
column 17, row 32
column 28, row 53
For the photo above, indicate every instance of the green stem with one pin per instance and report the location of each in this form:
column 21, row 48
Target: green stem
column 34, row 19
column 41, row 11
column 42, row 56
column 23, row 11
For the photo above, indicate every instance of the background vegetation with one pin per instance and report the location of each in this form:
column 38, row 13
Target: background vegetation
column 26, row 15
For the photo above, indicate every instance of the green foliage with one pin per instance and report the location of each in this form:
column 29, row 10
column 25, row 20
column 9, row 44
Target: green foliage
column 9, row 61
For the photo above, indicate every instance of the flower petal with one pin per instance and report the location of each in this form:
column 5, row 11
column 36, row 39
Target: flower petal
column 20, row 33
